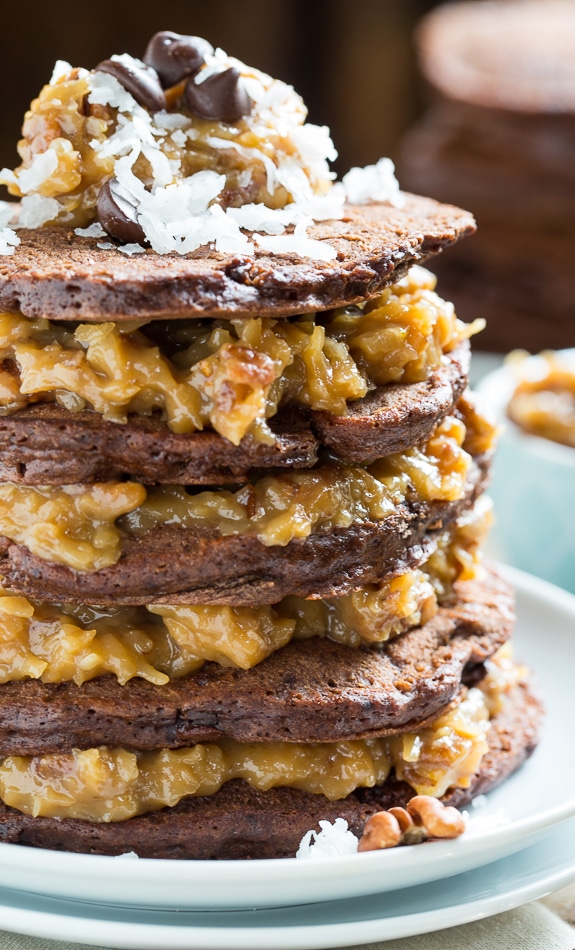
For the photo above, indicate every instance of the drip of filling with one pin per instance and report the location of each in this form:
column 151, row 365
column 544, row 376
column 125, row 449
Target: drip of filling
column 230, row 376
column 76, row 525
column 103, row 784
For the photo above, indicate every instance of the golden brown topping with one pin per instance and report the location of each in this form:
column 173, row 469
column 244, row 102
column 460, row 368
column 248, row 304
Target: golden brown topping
column 402, row 334
column 277, row 508
column 73, row 525
column 481, row 428
column 230, row 636
column 114, row 784
column 291, row 505
column 436, row 470
column 116, row 121
column 372, row 614
column 503, row 675
column 458, row 553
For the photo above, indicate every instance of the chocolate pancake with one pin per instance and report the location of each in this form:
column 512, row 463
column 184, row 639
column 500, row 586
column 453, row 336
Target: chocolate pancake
column 310, row 691
column 45, row 444
column 184, row 565
column 241, row 822
column 55, row 274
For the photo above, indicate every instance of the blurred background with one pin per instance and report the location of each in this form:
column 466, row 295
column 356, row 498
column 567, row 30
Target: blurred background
column 354, row 64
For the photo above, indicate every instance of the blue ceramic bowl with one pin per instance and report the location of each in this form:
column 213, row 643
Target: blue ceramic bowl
column 533, row 490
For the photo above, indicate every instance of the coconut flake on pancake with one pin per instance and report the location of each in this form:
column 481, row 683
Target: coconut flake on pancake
column 373, row 183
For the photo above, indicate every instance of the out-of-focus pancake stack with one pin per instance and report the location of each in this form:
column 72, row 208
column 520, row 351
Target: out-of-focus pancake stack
column 242, row 500
column 499, row 139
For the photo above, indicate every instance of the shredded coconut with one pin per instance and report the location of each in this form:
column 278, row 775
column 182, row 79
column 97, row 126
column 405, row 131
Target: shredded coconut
column 373, row 183
column 479, row 801
column 331, row 840
column 7, row 210
column 94, row 230
column 43, row 166
column 9, row 241
column 297, row 243
column 179, row 137
column 61, row 69
column 245, row 178
column 8, row 177
column 35, row 210
column 258, row 217
column 130, row 249
column 314, row 143
column 105, row 90
column 170, row 121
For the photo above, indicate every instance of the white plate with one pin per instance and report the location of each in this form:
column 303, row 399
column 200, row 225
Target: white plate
column 545, row 639
column 539, row 870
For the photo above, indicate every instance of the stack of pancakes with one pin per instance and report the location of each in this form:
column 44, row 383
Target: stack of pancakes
column 498, row 138
column 385, row 628
column 242, row 500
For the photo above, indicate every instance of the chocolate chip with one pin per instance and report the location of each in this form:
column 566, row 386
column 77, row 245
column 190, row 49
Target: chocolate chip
column 174, row 56
column 117, row 213
column 222, row 96
column 141, row 81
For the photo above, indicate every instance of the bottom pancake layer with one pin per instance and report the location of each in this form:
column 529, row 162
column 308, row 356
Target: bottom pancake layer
column 242, row 822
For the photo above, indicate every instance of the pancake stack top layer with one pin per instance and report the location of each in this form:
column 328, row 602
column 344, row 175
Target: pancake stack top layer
column 241, row 507
column 499, row 139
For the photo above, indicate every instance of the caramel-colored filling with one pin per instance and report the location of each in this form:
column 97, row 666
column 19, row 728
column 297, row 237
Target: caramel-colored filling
column 503, row 675
column 103, row 784
column 56, row 643
column 457, row 555
column 446, row 754
column 543, row 402
column 230, row 376
column 280, row 508
column 76, row 525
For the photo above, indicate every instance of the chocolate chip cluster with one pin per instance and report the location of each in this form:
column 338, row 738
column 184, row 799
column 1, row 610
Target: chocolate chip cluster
column 170, row 60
